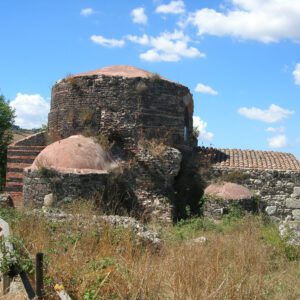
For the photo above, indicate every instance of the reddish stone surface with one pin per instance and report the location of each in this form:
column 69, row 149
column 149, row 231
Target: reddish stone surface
column 17, row 198
column 228, row 191
column 75, row 154
column 119, row 70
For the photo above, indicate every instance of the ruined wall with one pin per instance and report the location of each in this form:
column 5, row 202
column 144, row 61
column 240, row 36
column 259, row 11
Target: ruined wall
column 142, row 187
column 278, row 191
column 37, row 139
column 152, row 180
column 64, row 186
column 126, row 109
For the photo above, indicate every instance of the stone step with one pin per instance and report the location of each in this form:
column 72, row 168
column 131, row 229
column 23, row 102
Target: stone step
column 21, row 159
column 14, row 174
column 17, row 165
column 28, row 152
column 14, row 179
column 13, row 186
column 18, row 158
column 14, row 170
column 25, row 148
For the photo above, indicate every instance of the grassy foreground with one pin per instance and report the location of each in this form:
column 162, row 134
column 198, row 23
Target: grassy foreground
column 243, row 258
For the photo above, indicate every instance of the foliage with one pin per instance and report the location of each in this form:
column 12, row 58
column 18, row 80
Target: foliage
column 156, row 147
column 7, row 116
column 190, row 228
column 17, row 257
column 141, row 88
column 155, row 77
column 235, row 177
column 281, row 246
column 103, row 141
column 46, row 172
column 189, row 186
column 243, row 260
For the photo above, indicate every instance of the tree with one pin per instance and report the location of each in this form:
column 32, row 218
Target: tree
column 7, row 117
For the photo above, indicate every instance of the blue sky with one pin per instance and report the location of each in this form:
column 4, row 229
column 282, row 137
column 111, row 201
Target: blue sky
column 239, row 58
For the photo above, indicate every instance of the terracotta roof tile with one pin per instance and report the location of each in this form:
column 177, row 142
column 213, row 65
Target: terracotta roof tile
column 250, row 159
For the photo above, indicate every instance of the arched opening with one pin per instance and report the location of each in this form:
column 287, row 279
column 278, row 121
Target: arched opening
column 186, row 130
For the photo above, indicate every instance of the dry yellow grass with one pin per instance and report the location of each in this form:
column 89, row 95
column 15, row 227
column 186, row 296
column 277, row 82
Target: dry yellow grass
column 237, row 261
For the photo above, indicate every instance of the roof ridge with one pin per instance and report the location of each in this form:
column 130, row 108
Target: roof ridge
column 251, row 159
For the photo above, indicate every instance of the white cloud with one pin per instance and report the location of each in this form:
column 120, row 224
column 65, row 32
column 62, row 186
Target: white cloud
column 296, row 74
column 139, row 16
column 174, row 7
column 31, row 110
column 273, row 114
column 168, row 46
column 202, row 127
column 266, row 21
column 111, row 43
column 205, row 89
column 141, row 40
column 86, row 12
column 278, row 141
column 276, row 129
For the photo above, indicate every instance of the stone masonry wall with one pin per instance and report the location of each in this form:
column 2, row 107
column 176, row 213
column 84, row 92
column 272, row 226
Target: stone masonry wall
column 278, row 191
column 70, row 186
column 122, row 108
column 143, row 186
column 38, row 139
column 153, row 182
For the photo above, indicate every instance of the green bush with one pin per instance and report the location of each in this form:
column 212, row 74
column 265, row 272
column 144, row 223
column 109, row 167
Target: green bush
column 7, row 116
column 280, row 245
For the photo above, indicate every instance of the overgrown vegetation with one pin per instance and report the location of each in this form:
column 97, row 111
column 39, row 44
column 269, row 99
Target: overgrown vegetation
column 156, row 147
column 243, row 258
column 7, row 116
column 155, row 77
column 235, row 177
column 103, row 141
column 189, row 185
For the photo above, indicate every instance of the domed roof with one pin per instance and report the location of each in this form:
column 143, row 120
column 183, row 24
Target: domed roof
column 75, row 154
column 119, row 70
column 228, row 191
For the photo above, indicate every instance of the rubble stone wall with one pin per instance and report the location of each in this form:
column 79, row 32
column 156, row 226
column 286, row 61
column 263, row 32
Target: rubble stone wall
column 144, row 185
column 64, row 186
column 278, row 191
column 38, row 139
column 123, row 108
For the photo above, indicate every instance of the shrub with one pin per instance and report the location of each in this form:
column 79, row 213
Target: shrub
column 156, row 147
column 7, row 116
column 155, row 77
column 242, row 261
column 141, row 88
column 103, row 141
column 235, row 177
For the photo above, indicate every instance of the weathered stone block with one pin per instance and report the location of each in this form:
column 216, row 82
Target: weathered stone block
column 296, row 214
column 292, row 203
column 297, row 191
column 271, row 210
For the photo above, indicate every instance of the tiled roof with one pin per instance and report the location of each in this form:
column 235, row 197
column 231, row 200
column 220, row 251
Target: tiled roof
column 250, row 159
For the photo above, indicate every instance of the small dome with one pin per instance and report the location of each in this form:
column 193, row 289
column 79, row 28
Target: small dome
column 118, row 70
column 228, row 191
column 75, row 154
